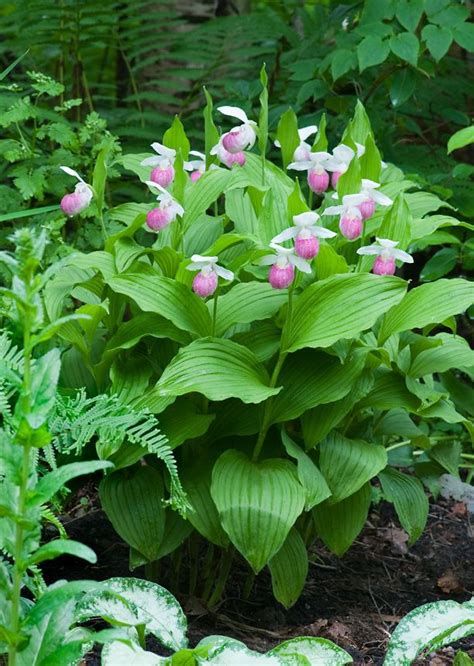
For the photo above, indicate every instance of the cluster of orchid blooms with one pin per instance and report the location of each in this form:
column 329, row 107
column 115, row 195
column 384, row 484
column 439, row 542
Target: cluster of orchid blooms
column 354, row 210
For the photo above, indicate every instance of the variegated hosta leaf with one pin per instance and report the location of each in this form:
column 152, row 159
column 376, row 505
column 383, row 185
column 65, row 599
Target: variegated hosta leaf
column 124, row 654
column 236, row 655
column 429, row 626
column 318, row 651
column 258, row 502
column 133, row 601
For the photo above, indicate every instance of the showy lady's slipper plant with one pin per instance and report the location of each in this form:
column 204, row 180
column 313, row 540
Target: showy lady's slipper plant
column 223, row 155
column 163, row 171
column 205, row 282
column 283, row 264
column 386, row 252
column 241, row 137
column 168, row 210
column 372, row 197
column 351, row 221
column 303, row 151
column 340, row 159
column 315, row 165
column 306, row 234
column 77, row 201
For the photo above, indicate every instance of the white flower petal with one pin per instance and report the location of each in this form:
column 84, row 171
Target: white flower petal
column 151, row 161
column 403, row 256
column 319, row 156
column 170, row 153
column 300, row 166
column 306, row 219
column 268, row 260
column 206, row 260
column 150, row 183
column 282, row 251
column 285, row 235
column 368, row 184
column 386, row 242
column 71, row 172
column 333, row 210
column 196, row 153
column 196, row 266
column 233, row 112
column 305, row 132
column 350, row 200
column 381, row 198
column 369, row 249
column 360, row 149
column 343, row 153
column 224, row 273
column 322, row 232
column 300, row 263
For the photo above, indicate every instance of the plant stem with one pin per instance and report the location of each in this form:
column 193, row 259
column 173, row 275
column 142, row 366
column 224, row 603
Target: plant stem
column 267, row 414
column 102, row 223
column 263, row 168
column 214, row 313
column 248, row 585
column 398, row 445
column 224, row 571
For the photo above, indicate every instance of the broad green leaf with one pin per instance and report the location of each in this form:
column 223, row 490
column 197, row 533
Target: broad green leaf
column 236, row 654
column 343, row 60
column 118, row 653
column 460, row 139
column 143, row 603
column 411, row 504
column 141, row 325
column 211, row 135
column 370, row 161
column 396, row 224
column 421, row 203
column 57, row 547
column 258, row 503
column 318, row 651
column 462, row 659
column 440, row 264
column 239, row 209
column 428, row 304
column 405, row 45
column 263, row 339
column 340, row 307
column 217, row 368
column 175, row 137
column 204, row 518
column 50, row 483
column 372, row 51
column 320, row 141
column 130, row 377
column 464, row 35
column 177, row 529
column 287, row 135
column 263, row 116
column 453, row 353
column 44, row 379
column 248, row 302
column 201, row 194
column 438, row 40
column 311, row 378
column 293, row 557
column 166, row 297
column 403, row 86
column 350, row 181
column 448, row 455
column 339, row 524
column 133, row 501
column 429, row 626
column 182, row 421
column 408, row 13
column 389, row 391
column 310, row 477
column 329, row 263
column 347, row 464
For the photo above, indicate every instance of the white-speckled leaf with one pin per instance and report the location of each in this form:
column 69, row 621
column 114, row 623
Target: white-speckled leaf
column 318, row 651
column 121, row 654
column 138, row 602
column 235, row 655
column 429, row 626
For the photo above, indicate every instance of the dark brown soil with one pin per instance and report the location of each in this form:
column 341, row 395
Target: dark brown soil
column 356, row 601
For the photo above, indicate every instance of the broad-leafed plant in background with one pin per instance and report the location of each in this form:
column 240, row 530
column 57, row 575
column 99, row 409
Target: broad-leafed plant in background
column 288, row 366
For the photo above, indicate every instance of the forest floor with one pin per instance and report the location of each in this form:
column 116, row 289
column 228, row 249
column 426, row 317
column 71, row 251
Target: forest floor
column 356, row 601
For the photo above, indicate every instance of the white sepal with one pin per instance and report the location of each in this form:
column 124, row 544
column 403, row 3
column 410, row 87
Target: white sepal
column 307, row 219
column 300, row 263
column 71, row 172
column 159, row 148
column 234, row 112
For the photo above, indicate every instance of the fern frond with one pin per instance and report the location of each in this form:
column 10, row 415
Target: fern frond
column 48, row 515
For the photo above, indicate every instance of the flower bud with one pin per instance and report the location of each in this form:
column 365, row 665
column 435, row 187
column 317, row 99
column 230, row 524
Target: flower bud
column 162, row 175
column 384, row 266
column 307, row 248
column 318, row 181
column 205, row 284
column 281, row 278
column 158, row 218
column 367, row 208
column 335, row 177
column 351, row 226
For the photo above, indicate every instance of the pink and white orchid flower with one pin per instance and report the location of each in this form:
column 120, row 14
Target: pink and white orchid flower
column 386, row 252
column 197, row 167
column 79, row 200
column 223, row 155
column 168, row 210
column 306, row 234
column 315, row 165
column 340, row 159
column 205, row 282
column 241, row 137
column 351, row 220
column 303, row 151
column 163, row 173
column 283, row 263
column 372, row 197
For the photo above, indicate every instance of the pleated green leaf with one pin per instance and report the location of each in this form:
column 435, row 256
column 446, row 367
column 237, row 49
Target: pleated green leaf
column 166, row 297
column 258, row 503
column 181, row 421
column 133, row 502
column 57, row 547
column 453, row 353
column 204, row 516
column 310, row 477
column 311, row 378
column 339, row 524
column 411, row 504
column 318, row 651
column 347, row 464
column 202, row 193
column 340, row 307
column 428, row 304
column 131, row 332
column 248, row 302
column 292, row 557
column 397, row 222
column 287, row 135
column 218, row 369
